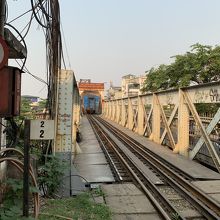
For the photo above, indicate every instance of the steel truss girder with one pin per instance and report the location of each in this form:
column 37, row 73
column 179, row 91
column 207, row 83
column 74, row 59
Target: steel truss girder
column 183, row 99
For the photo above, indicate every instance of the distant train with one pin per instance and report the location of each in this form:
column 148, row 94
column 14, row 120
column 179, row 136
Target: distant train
column 91, row 104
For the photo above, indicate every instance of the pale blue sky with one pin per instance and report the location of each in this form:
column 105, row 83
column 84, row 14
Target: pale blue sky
column 107, row 39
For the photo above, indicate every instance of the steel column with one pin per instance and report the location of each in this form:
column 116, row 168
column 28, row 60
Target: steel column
column 118, row 111
column 130, row 115
column 155, row 136
column 123, row 113
column 182, row 146
column 141, row 116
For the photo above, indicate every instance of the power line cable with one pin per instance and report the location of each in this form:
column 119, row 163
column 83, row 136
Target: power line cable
column 34, row 76
column 15, row 29
column 20, row 16
column 62, row 55
column 27, row 25
column 65, row 45
column 36, row 16
column 6, row 11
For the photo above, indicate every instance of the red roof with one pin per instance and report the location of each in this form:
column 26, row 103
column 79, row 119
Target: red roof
column 91, row 86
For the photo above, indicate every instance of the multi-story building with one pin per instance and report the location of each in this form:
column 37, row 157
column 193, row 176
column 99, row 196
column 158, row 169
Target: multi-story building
column 114, row 92
column 131, row 85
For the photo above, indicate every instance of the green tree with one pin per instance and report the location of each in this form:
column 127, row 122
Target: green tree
column 25, row 105
column 42, row 105
column 200, row 65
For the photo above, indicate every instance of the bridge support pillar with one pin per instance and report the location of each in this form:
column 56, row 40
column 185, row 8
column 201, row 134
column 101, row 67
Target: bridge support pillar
column 113, row 111
column 155, row 135
column 182, row 146
column 106, row 109
column 130, row 115
column 110, row 110
column 123, row 113
column 140, row 116
column 118, row 111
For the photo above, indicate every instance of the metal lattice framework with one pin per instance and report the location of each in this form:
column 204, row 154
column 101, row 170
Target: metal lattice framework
column 145, row 114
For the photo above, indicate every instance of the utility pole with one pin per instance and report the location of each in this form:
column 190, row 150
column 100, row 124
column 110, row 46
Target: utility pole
column 2, row 23
column 56, row 52
column 55, row 61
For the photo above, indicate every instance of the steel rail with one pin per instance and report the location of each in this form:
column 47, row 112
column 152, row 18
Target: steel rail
column 153, row 189
column 176, row 169
column 206, row 205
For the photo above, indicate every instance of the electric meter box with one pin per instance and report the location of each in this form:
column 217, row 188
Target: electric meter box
column 10, row 91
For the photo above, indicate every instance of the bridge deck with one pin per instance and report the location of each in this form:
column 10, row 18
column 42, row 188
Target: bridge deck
column 91, row 162
column 196, row 170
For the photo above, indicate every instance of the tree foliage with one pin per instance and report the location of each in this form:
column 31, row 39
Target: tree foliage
column 200, row 65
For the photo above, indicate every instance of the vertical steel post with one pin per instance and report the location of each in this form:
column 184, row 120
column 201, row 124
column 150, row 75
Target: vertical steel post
column 106, row 109
column 140, row 116
column 122, row 112
column 183, row 127
column 26, row 168
column 113, row 110
column 130, row 115
column 156, row 120
column 118, row 111
column 110, row 112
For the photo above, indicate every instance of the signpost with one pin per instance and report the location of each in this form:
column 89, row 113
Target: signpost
column 26, row 168
column 33, row 130
column 42, row 130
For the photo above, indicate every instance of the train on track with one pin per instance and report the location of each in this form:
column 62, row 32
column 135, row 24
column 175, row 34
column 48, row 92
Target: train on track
column 91, row 104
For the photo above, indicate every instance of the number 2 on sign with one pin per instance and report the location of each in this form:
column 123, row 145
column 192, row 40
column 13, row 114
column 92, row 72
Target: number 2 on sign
column 42, row 124
column 42, row 131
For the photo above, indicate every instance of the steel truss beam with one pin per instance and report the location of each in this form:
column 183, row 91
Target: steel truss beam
column 183, row 99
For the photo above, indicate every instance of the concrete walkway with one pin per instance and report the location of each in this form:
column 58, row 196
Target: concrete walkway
column 91, row 162
column 127, row 202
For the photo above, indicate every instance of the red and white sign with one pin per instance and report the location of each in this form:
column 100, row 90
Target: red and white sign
column 3, row 53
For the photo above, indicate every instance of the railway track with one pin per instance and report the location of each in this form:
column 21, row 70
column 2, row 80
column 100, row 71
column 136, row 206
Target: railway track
column 129, row 161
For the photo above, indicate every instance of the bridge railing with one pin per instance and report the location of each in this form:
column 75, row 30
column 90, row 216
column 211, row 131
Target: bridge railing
column 147, row 115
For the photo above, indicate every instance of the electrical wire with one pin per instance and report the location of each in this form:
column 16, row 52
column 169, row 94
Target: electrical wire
column 28, row 72
column 47, row 15
column 65, row 44
column 20, row 16
column 34, row 76
column 62, row 56
column 36, row 16
column 28, row 26
column 25, row 46
column 6, row 11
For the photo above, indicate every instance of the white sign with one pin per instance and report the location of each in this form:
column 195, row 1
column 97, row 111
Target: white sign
column 42, row 130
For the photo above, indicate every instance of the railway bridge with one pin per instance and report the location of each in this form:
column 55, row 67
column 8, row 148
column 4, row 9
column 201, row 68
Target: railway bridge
column 171, row 118
column 149, row 143
column 141, row 150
